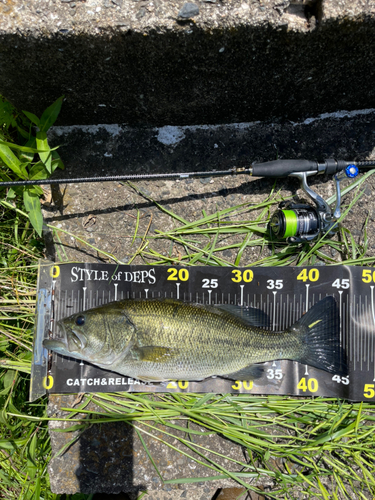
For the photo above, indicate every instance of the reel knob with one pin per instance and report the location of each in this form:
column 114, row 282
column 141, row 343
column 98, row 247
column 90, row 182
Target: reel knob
column 351, row 171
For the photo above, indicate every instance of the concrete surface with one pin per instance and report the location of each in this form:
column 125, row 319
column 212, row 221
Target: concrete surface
column 158, row 62
column 105, row 215
column 111, row 459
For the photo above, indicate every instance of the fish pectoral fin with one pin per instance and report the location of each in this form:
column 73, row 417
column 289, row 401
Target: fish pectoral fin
column 154, row 353
column 251, row 372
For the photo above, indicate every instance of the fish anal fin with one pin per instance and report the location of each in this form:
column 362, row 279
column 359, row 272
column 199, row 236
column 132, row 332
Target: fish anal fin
column 251, row 372
column 150, row 379
column 154, row 354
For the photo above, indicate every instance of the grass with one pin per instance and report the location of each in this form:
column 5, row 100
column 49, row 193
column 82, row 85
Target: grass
column 314, row 439
column 24, row 441
column 303, row 447
column 199, row 240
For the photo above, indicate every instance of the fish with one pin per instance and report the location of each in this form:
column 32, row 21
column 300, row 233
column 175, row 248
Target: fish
column 157, row 340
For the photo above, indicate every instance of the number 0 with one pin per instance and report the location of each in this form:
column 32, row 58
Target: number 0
column 48, row 382
column 248, row 275
column 55, row 271
column 313, row 276
column 312, row 385
column 183, row 274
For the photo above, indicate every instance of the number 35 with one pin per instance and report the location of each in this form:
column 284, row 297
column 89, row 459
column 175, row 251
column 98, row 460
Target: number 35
column 278, row 284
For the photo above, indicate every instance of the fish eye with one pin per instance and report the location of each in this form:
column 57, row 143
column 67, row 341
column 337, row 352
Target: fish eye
column 80, row 320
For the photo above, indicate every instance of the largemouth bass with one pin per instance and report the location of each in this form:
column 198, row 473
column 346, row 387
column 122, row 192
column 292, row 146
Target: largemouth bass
column 158, row 340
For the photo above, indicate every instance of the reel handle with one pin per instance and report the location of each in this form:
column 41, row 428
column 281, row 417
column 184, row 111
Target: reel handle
column 351, row 171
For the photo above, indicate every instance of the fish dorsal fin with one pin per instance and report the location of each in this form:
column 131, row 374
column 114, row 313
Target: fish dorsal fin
column 251, row 372
column 154, row 354
column 250, row 315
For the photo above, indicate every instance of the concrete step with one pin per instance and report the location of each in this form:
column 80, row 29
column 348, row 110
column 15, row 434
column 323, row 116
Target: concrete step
column 157, row 62
column 110, row 458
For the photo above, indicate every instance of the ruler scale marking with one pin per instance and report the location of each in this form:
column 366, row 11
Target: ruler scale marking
column 286, row 307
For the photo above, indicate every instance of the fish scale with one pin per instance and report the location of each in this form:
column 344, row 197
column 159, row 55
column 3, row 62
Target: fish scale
column 157, row 340
column 205, row 340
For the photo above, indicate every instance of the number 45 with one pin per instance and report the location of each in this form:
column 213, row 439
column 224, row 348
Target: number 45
column 344, row 283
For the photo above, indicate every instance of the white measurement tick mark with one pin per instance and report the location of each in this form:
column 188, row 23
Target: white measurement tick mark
column 274, row 310
column 242, row 287
column 178, row 290
column 307, row 297
column 209, row 296
column 84, row 298
column 373, row 317
column 307, row 307
column 53, row 300
column 340, row 309
column 146, row 292
column 116, row 285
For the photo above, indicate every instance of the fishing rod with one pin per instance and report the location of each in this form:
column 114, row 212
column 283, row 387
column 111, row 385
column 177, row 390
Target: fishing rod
column 296, row 223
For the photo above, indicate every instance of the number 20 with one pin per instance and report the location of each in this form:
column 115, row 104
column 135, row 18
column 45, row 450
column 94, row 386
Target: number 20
column 175, row 274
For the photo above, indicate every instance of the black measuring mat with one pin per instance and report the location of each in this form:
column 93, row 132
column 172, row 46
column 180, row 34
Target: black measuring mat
column 283, row 295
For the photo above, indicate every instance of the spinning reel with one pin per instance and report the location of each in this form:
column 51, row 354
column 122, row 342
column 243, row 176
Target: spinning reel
column 299, row 223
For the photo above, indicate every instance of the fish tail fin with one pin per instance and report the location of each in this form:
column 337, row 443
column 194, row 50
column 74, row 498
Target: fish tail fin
column 320, row 336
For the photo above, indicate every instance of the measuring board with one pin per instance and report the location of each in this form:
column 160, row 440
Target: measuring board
column 283, row 293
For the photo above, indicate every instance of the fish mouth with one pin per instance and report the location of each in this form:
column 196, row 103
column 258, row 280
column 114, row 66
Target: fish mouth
column 55, row 345
column 58, row 345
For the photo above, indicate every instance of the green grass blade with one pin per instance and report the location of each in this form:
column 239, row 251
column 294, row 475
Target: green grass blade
column 149, row 454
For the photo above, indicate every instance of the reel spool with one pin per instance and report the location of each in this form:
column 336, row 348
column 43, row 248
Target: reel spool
column 295, row 223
